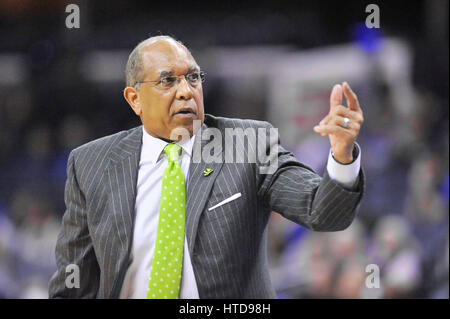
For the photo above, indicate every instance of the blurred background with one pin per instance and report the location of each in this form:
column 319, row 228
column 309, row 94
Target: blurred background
column 275, row 61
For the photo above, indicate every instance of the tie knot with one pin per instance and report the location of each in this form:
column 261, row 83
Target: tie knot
column 172, row 151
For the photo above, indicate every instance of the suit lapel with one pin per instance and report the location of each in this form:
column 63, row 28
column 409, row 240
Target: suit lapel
column 122, row 176
column 121, row 180
column 199, row 187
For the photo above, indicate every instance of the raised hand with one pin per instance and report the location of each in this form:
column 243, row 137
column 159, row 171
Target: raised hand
column 342, row 124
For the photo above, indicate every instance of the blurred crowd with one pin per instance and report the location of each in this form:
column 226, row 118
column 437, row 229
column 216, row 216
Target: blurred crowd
column 402, row 229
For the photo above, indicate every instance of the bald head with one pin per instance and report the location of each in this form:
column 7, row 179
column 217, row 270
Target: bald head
column 158, row 46
column 164, row 87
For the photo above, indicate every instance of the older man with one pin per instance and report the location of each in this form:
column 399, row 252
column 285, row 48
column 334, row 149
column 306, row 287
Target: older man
column 146, row 219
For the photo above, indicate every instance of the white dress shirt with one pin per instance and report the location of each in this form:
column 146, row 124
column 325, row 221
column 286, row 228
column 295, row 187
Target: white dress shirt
column 152, row 164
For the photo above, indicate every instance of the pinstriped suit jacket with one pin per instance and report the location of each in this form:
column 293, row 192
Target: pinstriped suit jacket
column 227, row 245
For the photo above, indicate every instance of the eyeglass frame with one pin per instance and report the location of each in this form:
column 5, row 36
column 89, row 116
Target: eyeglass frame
column 200, row 73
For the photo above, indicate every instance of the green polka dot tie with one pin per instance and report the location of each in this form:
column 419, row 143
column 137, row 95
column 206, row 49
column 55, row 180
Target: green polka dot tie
column 165, row 275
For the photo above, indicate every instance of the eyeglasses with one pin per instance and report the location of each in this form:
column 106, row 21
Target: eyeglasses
column 169, row 82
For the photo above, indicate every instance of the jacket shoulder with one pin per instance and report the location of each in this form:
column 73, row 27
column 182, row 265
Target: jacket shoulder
column 228, row 122
column 96, row 150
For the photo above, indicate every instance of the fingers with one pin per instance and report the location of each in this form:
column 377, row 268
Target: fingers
column 335, row 125
column 352, row 115
column 340, row 121
column 352, row 99
column 330, row 129
column 336, row 96
column 325, row 120
column 342, row 111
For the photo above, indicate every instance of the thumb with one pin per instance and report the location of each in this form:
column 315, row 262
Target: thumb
column 336, row 96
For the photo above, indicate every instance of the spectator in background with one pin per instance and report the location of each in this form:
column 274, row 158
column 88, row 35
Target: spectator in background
column 397, row 253
column 316, row 263
column 349, row 278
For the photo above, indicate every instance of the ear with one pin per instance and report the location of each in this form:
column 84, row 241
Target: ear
column 132, row 96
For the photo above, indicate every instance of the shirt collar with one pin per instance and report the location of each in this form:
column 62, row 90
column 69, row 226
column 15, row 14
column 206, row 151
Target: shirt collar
column 153, row 147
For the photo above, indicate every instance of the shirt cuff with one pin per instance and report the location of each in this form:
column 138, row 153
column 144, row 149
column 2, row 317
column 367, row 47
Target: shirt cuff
column 345, row 175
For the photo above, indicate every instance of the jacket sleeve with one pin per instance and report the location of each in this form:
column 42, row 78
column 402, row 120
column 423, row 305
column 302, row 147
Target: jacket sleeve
column 296, row 192
column 74, row 250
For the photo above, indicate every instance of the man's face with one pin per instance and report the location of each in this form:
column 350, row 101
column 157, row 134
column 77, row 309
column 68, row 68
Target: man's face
column 159, row 106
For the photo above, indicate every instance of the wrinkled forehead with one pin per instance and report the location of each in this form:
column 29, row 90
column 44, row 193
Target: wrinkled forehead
column 166, row 55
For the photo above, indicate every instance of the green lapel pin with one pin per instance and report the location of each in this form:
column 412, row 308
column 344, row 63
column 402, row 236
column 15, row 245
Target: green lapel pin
column 207, row 171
